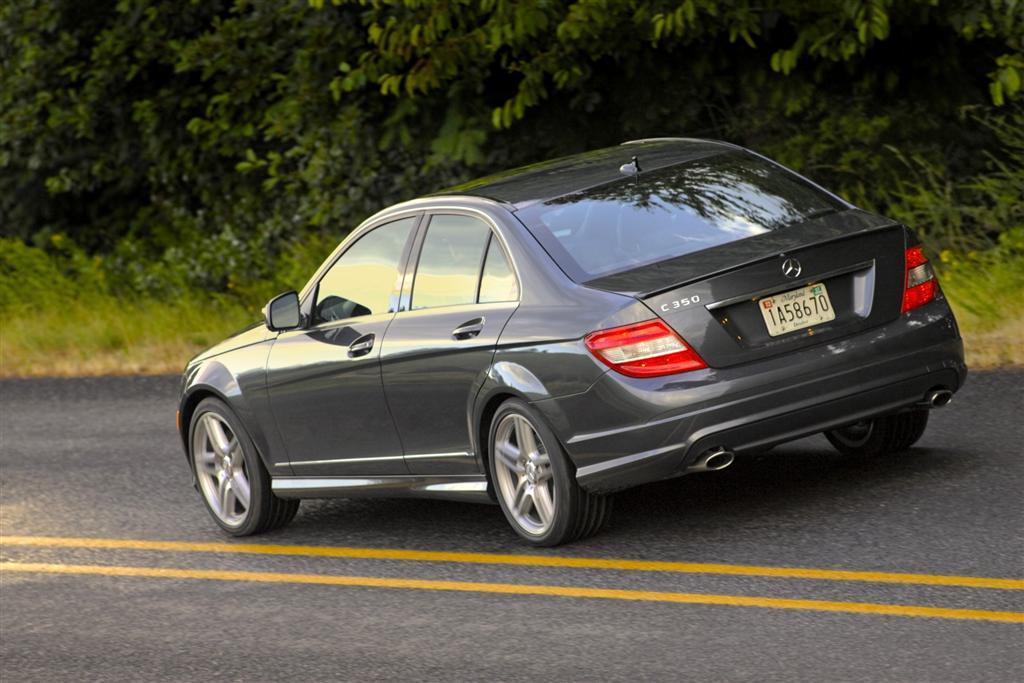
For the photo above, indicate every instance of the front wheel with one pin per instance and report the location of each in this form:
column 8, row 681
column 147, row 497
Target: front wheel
column 231, row 479
column 886, row 434
column 536, row 483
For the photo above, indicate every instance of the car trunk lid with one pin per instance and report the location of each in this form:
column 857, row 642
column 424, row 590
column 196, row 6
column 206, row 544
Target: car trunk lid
column 713, row 298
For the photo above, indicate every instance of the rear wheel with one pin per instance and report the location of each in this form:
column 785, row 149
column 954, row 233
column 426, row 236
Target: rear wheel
column 536, row 483
column 881, row 435
column 231, row 478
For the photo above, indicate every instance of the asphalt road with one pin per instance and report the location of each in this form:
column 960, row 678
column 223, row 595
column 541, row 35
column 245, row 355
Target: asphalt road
column 99, row 459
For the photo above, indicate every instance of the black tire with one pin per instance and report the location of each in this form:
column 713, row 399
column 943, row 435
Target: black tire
column 265, row 511
column 882, row 435
column 577, row 513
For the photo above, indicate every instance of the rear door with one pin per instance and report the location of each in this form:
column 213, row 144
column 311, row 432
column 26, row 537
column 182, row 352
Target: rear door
column 437, row 351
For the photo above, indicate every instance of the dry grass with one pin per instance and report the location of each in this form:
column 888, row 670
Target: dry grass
column 153, row 338
column 1000, row 347
column 112, row 338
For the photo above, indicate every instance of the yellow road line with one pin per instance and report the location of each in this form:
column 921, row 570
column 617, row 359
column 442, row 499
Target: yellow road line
column 520, row 560
column 517, row 589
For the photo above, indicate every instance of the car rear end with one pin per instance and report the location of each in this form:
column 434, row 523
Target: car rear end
column 776, row 311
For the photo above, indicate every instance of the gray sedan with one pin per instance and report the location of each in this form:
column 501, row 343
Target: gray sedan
column 546, row 336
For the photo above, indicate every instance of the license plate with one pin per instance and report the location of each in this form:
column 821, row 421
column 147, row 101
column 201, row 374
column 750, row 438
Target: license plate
column 796, row 309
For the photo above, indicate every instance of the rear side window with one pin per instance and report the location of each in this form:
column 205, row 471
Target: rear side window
column 671, row 212
column 498, row 282
column 450, row 261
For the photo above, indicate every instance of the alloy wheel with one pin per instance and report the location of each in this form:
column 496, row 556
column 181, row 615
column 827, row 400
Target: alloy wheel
column 220, row 469
column 524, row 474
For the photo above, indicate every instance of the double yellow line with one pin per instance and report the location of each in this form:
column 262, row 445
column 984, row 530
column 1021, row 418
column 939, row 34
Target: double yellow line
column 516, row 589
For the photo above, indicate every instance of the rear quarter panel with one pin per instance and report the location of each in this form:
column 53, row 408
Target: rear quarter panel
column 540, row 354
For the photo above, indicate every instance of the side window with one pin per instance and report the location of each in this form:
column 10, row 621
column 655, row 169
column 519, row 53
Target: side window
column 450, row 260
column 498, row 282
column 365, row 279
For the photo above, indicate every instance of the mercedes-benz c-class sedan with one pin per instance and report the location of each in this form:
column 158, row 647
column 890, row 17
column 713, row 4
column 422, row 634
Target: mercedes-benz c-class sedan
column 549, row 335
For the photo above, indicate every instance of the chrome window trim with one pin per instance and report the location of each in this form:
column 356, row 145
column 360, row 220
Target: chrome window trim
column 407, row 212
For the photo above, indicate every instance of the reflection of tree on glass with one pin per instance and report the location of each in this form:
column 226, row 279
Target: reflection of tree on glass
column 685, row 208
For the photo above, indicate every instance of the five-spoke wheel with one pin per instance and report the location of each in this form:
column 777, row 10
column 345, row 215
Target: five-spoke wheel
column 535, row 481
column 220, row 469
column 232, row 480
column 524, row 476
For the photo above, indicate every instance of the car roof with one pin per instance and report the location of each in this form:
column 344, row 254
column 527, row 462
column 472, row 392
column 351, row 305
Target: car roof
column 547, row 180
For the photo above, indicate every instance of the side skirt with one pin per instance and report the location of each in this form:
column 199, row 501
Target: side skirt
column 468, row 488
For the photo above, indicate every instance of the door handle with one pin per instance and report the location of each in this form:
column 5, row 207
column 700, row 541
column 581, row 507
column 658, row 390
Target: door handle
column 361, row 346
column 469, row 329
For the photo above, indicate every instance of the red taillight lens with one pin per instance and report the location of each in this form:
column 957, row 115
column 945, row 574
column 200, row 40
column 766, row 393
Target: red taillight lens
column 919, row 283
column 645, row 349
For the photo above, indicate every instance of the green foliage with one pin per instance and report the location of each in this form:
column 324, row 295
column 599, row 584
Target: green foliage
column 156, row 148
column 965, row 215
column 987, row 287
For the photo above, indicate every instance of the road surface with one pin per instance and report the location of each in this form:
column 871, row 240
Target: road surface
column 112, row 570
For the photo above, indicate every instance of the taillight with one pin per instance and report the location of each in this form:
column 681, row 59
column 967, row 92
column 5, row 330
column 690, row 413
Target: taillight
column 645, row 349
column 919, row 284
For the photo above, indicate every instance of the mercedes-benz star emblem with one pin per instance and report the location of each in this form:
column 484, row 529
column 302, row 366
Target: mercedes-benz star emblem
column 791, row 268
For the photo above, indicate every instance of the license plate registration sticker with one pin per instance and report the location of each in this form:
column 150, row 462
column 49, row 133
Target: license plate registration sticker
column 796, row 309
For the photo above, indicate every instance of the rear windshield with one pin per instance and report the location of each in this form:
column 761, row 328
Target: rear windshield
column 671, row 212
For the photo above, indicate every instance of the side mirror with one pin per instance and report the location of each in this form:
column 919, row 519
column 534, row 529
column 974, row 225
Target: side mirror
column 282, row 313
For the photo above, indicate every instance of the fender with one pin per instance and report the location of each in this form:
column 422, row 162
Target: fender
column 244, row 391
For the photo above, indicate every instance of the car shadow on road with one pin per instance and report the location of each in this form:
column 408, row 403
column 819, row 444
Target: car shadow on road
column 781, row 491
column 783, row 481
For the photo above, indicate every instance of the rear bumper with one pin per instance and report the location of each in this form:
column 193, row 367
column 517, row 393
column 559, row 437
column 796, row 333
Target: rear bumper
column 623, row 431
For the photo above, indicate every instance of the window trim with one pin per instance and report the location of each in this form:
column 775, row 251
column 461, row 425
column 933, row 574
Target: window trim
column 480, row 269
column 417, row 252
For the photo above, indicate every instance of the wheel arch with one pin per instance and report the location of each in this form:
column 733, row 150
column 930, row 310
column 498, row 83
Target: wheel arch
column 505, row 380
column 480, row 428
column 212, row 379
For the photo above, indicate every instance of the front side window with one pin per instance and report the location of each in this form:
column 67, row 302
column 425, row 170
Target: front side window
column 365, row 280
column 450, row 261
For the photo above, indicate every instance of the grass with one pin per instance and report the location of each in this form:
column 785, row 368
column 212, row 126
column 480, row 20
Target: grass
column 987, row 297
column 110, row 337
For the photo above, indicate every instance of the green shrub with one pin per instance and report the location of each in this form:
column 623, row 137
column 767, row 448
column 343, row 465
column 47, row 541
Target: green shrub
column 30, row 278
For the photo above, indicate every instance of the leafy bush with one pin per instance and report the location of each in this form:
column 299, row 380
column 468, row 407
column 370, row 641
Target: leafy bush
column 155, row 153
column 202, row 138
column 987, row 285
column 957, row 215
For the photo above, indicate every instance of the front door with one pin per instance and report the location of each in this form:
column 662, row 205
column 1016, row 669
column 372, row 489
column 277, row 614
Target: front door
column 324, row 380
column 436, row 355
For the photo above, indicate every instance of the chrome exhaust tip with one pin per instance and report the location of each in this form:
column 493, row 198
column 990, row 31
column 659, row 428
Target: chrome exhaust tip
column 937, row 398
column 712, row 460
